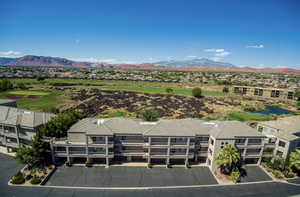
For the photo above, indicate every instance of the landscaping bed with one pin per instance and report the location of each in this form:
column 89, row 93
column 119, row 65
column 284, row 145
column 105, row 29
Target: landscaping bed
column 32, row 176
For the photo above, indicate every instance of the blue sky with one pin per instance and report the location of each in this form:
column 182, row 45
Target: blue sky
column 261, row 33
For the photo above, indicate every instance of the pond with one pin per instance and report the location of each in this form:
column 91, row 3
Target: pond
column 273, row 110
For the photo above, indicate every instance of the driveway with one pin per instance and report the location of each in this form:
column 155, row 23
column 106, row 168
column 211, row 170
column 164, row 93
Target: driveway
column 254, row 174
column 131, row 176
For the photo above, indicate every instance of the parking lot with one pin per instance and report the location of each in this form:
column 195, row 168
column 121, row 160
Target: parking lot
column 131, row 176
column 254, row 174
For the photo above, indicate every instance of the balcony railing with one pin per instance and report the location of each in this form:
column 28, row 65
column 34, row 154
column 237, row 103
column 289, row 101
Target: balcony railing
column 254, row 144
column 159, row 143
column 12, row 144
column 26, row 137
column 10, row 134
column 253, row 153
column 97, row 142
column 77, row 152
column 132, row 141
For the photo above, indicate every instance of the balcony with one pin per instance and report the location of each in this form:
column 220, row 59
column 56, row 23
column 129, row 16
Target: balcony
column 255, row 144
column 252, row 153
column 267, row 154
column 10, row 134
column 270, row 144
column 77, row 153
column 132, row 142
column 26, row 137
column 12, row 144
column 159, row 143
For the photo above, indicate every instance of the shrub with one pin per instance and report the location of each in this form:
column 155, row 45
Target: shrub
column 298, row 105
column 278, row 174
column 35, row 180
column 169, row 90
column 18, row 178
column 226, row 89
column 169, row 166
column 28, row 177
column 188, row 165
column 289, row 174
column 149, row 115
column 88, row 164
column 67, row 163
column 197, row 92
column 235, row 175
column 149, row 165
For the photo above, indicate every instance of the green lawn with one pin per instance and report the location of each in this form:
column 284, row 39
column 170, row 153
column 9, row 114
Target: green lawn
column 137, row 86
column 46, row 102
column 244, row 116
column 28, row 92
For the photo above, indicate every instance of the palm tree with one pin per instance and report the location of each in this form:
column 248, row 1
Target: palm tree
column 295, row 159
column 228, row 158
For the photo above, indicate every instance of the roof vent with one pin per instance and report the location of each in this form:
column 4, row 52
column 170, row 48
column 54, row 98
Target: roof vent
column 209, row 123
column 100, row 122
column 148, row 123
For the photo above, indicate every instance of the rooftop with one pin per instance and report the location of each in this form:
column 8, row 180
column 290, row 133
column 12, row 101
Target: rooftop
column 177, row 127
column 233, row 129
column 287, row 127
column 24, row 118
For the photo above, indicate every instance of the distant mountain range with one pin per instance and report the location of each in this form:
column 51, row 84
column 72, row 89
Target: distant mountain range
column 31, row 60
column 192, row 62
column 201, row 64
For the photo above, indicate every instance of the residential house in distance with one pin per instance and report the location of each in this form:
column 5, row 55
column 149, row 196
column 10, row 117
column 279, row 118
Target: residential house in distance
column 181, row 141
column 18, row 126
column 284, row 133
column 286, row 94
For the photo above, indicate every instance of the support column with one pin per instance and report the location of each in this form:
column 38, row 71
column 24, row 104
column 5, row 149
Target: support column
column 68, row 154
column 106, row 151
column 52, row 152
column 149, row 150
column 187, row 151
column 17, row 134
column 168, row 151
column 87, row 149
column 260, row 155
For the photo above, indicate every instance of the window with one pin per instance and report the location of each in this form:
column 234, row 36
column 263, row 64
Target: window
column 240, row 141
column 279, row 153
column 210, row 151
column 203, row 149
column 281, row 143
column 203, row 139
column 272, row 140
column 254, row 141
column 253, row 151
column 211, row 141
column 290, row 95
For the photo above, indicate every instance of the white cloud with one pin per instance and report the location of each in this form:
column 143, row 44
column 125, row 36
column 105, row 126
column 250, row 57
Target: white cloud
column 257, row 46
column 10, row 53
column 218, row 53
column 216, row 59
column 191, row 56
column 214, row 50
column 223, row 54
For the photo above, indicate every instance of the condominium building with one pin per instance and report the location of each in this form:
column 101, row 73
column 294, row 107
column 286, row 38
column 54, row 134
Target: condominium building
column 18, row 126
column 284, row 133
column 184, row 141
column 286, row 94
